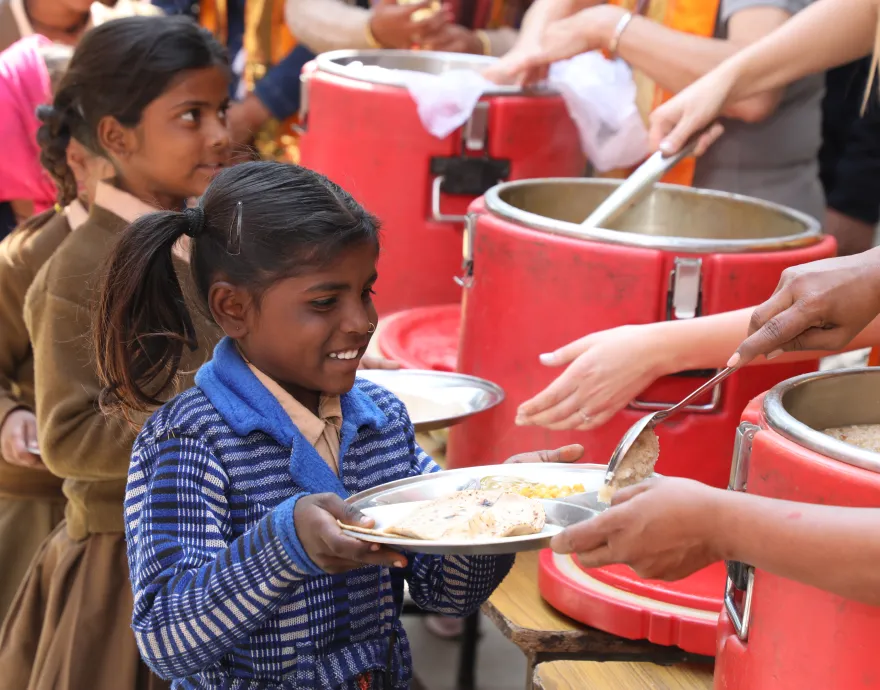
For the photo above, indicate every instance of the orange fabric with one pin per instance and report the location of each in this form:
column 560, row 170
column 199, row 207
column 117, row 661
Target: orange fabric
column 874, row 357
column 266, row 41
column 696, row 17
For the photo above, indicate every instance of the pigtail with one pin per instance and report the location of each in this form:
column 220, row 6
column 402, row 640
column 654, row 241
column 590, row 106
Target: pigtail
column 142, row 323
column 53, row 136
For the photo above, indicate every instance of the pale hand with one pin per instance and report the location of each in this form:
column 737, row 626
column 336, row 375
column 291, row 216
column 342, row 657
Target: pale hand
column 521, row 66
column 529, row 61
column 605, row 372
column 691, row 110
column 664, row 529
column 18, row 434
column 822, row 305
column 377, row 362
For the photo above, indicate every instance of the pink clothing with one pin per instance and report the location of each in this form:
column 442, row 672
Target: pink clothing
column 24, row 85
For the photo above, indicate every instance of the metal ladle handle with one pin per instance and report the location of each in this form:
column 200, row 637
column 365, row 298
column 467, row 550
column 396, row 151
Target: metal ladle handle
column 664, row 415
column 637, row 185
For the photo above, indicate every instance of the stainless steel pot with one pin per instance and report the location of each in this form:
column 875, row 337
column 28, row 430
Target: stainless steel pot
column 801, row 408
column 672, row 217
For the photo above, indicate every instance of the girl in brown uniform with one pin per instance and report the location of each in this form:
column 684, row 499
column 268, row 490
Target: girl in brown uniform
column 150, row 95
column 31, row 502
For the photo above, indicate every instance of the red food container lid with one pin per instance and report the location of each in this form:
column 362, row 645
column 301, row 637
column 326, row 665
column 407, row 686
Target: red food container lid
column 682, row 614
column 422, row 338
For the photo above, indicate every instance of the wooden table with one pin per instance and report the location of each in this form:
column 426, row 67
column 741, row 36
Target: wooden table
column 593, row 675
column 543, row 634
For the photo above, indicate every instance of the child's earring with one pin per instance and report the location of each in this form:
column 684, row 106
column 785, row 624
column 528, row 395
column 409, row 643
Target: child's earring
column 372, row 328
column 233, row 244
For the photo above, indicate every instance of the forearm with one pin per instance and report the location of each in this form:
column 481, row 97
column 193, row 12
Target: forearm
column 544, row 12
column 824, row 35
column 708, row 342
column 798, row 541
column 324, row 25
column 672, row 59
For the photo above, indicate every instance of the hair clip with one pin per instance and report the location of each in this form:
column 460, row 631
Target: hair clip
column 233, row 246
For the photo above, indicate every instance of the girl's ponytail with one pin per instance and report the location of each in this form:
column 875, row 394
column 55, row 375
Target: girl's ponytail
column 142, row 323
column 54, row 137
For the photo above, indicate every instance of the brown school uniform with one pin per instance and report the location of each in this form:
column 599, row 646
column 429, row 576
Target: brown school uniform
column 31, row 502
column 69, row 627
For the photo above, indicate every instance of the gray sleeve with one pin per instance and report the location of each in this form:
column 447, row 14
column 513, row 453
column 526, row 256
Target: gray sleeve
column 728, row 8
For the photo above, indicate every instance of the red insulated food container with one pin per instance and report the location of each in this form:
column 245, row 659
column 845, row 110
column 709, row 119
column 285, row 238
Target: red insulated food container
column 536, row 280
column 362, row 130
column 775, row 634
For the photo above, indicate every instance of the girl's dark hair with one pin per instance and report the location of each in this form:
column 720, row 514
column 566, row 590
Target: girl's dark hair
column 117, row 70
column 257, row 223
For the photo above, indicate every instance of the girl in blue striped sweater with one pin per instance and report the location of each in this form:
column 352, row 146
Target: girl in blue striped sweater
column 242, row 578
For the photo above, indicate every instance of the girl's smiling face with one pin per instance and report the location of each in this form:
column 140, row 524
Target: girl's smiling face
column 308, row 332
column 179, row 145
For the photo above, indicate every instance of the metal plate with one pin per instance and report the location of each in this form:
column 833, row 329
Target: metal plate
column 437, row 399
column 389, row 502
column 559, row 516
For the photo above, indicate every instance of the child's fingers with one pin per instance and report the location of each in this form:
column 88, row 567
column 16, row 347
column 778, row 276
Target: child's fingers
column 344, row 547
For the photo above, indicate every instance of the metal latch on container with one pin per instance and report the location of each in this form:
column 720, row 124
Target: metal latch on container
column 684, row 299
column 476, row 128
column 303, row 115
column 467, row 252
column 740, row 576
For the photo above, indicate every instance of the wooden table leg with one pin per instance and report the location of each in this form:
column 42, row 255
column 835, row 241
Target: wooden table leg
column 531, row 662
column 467, row 661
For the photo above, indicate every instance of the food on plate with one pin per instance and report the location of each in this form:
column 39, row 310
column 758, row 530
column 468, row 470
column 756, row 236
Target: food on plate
column 530, row 489
column 864, row 436
column 471, row 516
column 637, row 465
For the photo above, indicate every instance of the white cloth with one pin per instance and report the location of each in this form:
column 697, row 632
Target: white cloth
column 600, row 95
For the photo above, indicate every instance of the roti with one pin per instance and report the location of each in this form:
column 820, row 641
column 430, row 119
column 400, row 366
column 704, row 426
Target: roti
column 472, row 516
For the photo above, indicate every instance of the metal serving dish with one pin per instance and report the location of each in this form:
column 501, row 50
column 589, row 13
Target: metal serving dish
column 390, row 502
column 437, row 399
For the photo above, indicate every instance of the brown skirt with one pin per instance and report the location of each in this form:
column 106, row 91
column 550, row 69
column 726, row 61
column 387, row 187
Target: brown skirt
column 69, row 627
column 24, row 525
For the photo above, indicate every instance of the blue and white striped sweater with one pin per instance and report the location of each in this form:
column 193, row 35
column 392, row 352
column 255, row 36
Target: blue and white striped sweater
column 224, row 595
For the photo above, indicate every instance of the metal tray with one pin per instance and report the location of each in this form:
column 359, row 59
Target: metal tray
column 437, row 399
column 389, row 502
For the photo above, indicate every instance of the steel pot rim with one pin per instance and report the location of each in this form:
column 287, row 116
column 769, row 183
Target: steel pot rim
column 780, row 420
column 327, row 62
column 812, row 233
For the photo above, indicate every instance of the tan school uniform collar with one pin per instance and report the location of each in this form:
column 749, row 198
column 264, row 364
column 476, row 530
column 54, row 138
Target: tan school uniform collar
column 76, row 214
column 309, row 425
column 119, row 203
column 130, row 208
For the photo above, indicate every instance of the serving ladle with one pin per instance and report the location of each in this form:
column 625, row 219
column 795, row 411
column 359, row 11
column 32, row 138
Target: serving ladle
column 639, row 184
column 649, row 421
